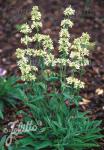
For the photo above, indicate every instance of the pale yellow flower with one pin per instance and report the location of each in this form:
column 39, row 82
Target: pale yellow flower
column 75, row 82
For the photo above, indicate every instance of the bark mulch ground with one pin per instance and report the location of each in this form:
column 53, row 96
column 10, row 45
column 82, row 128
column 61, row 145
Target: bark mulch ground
column 89, row 18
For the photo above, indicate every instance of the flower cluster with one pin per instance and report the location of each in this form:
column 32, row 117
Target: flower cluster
column 66, row 23
column 35, row 14
column 27, row 70
column 35, row 17
column 38, row 37
column 49, row 58
column 80, row 49
column 26, row 40
column 60, row 61
column 20, row 53
column 39, row 53
column 64, row 33
column 75, row 82
column 47, row 43
column 44, row 40
column 71, row 54
column 25, row 29
column 81, row 43
column 64, row 43
column 69, row 11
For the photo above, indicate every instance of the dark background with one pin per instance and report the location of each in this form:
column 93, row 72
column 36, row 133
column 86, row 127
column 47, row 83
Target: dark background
column 89, row 18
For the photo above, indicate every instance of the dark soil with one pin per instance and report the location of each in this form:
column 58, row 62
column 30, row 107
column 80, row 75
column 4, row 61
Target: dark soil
column 89, row 18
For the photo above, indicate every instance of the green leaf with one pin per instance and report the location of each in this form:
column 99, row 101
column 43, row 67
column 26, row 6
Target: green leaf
column 52, row 79
column 2, row 141
column 26, row 141
column 1, row 115
column 18, row 93
column 1, row 109
column 34, row 108
column 41, row 145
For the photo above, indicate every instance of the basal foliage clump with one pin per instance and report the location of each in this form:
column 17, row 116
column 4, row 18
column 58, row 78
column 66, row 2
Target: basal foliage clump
column 51, row 91
column 10, row 94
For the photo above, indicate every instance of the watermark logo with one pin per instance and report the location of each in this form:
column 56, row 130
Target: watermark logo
column 17, row 128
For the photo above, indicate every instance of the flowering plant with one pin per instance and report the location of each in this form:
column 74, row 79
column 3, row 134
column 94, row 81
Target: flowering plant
column 72, row 55
column 52, row 90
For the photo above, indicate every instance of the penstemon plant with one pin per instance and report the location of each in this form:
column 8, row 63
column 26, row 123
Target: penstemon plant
column 52, row 91
column 72, row 56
